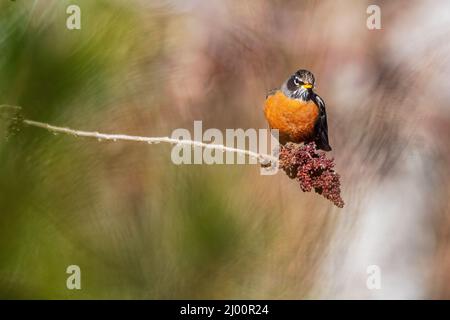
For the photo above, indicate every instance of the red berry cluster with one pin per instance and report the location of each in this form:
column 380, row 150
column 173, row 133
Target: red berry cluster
column 312, row 169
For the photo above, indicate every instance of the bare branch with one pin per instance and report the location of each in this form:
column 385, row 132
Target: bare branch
column 261, row 157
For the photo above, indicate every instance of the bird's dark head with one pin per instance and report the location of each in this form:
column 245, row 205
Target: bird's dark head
column 299, row 85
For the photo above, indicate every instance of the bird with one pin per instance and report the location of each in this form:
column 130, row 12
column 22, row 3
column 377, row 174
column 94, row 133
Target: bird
column 298, row 112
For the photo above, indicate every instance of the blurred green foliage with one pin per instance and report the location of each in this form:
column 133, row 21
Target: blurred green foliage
column 45, row 67
column 138, row 226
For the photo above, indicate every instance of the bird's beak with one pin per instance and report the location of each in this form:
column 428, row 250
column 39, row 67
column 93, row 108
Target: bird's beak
column 307, row 86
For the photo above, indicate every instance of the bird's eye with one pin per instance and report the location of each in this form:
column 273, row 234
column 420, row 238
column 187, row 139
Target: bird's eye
column 297, row 81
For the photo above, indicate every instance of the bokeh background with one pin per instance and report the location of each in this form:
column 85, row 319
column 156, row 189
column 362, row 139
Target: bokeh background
column 141, row 227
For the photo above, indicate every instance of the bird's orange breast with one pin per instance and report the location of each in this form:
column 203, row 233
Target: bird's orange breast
column 295, row 119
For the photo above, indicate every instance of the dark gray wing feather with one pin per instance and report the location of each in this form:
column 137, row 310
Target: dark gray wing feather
column 321, row 126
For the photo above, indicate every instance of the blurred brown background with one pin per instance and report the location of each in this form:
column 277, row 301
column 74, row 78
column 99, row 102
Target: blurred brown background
column 140, row 227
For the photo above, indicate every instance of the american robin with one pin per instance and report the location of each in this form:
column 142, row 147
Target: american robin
column 298, row 112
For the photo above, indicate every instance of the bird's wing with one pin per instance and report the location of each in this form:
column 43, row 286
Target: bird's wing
column 321, row 126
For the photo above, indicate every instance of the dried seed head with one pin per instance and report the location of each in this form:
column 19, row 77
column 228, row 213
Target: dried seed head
column 312, row 169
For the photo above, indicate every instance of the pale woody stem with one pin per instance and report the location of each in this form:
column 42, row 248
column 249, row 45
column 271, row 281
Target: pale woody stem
column 261, row 157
